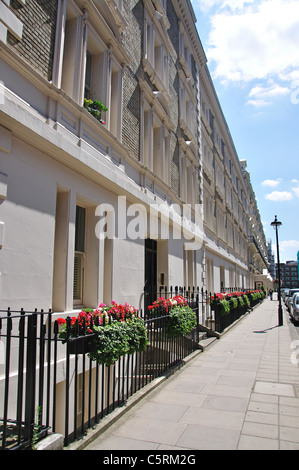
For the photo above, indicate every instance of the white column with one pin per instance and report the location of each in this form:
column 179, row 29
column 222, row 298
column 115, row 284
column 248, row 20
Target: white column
column 71, row 251
column 59, row 43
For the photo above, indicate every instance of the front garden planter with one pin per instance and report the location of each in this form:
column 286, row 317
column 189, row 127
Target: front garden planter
column 231, row 306
column 79, row 345
column 180, row 318
column 105, row 334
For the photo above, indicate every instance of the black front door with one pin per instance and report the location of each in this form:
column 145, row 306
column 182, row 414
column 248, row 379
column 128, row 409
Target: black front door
column 150, row 272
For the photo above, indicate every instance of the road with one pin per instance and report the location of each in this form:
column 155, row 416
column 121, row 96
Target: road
column 294, row 328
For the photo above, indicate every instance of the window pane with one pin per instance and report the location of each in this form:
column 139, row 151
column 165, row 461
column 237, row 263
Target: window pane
column 78, row 277
column 80, row 229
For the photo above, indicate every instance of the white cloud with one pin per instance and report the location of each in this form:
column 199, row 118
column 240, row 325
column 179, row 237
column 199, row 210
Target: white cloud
column 291, row 246
column 258, row 103
column 258, row 40
column 207, row 5
column 236, row 4
column 279, row 196
column 296, row 191
column 260, row 94
column 271, row 183
column 288, row 250
column 271, row 91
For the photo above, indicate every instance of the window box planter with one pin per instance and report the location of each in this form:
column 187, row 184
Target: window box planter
column 180, row 318
column 79, row 345
column 105, row 334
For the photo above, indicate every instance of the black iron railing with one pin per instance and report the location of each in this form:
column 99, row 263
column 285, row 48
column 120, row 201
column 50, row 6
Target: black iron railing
column 47, row 386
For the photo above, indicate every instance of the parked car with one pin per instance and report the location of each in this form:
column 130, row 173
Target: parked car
column 289, row 298
column 284, row 293
column 295, row 308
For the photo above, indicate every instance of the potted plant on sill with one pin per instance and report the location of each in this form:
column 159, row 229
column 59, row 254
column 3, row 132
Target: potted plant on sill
column 96, row 108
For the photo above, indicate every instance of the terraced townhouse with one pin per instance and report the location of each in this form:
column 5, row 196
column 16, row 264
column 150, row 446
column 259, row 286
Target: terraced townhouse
column 149, row 190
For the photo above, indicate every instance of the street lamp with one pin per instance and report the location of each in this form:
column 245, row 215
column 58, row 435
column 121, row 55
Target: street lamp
column 276, row 224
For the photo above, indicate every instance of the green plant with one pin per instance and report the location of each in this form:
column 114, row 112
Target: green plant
column 117, row 339
column 111, row 332
column 180, row 321
column 246, row 301
column 136, row 335
column 224, row 306
column 96, row 108
column 36, row 429
column 110, row 342
column 233, row 303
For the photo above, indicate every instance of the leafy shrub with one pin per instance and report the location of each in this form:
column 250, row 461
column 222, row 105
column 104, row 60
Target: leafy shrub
column 233, row 303
column 224, row 307
column 95, row 108
column 110, row 343
column 180, row 321
column 112, row 331
column 117, row 339
column 136, row 335
column 246, row 300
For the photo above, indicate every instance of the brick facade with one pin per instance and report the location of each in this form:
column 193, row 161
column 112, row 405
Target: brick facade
column 38, row 40
column 132, row 37
column 133, row 41
column 37, row 47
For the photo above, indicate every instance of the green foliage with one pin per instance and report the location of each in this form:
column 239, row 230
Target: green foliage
column 253, row 296
column 233, row 302
column 95, row 108
column 237, row 300
column 136, row 335
column 180, row 321
column 246, row 301
column 224, row 306
column 118, row 339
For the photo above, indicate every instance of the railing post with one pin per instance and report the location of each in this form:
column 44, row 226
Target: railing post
column 7, row 367
column 218, row 325
column 197, row 317
column 30, row 377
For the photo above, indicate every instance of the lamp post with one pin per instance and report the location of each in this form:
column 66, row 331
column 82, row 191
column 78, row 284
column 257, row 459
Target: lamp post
column 276, row 224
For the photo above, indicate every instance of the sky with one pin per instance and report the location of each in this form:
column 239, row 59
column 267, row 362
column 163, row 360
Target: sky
column 252, row 47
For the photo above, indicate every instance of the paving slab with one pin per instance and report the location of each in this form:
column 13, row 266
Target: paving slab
column 274, row 388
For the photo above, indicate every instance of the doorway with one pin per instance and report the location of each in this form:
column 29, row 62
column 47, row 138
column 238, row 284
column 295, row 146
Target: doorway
column 150, row 272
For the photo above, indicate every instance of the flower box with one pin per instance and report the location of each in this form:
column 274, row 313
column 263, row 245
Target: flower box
column 105, row 333
column 79, row 345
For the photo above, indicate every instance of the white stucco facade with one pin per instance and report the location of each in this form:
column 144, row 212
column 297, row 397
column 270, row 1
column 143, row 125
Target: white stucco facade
column 55, row 157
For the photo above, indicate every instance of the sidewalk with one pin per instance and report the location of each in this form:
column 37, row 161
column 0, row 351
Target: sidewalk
column 240, row 393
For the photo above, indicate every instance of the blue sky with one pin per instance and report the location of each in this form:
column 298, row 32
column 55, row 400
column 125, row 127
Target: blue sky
column 252, row 48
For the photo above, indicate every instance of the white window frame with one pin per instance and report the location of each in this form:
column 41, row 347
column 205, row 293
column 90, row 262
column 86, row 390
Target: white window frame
column 156, row 55
column 156, row 128
column 70, row 63
column 79, row 264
